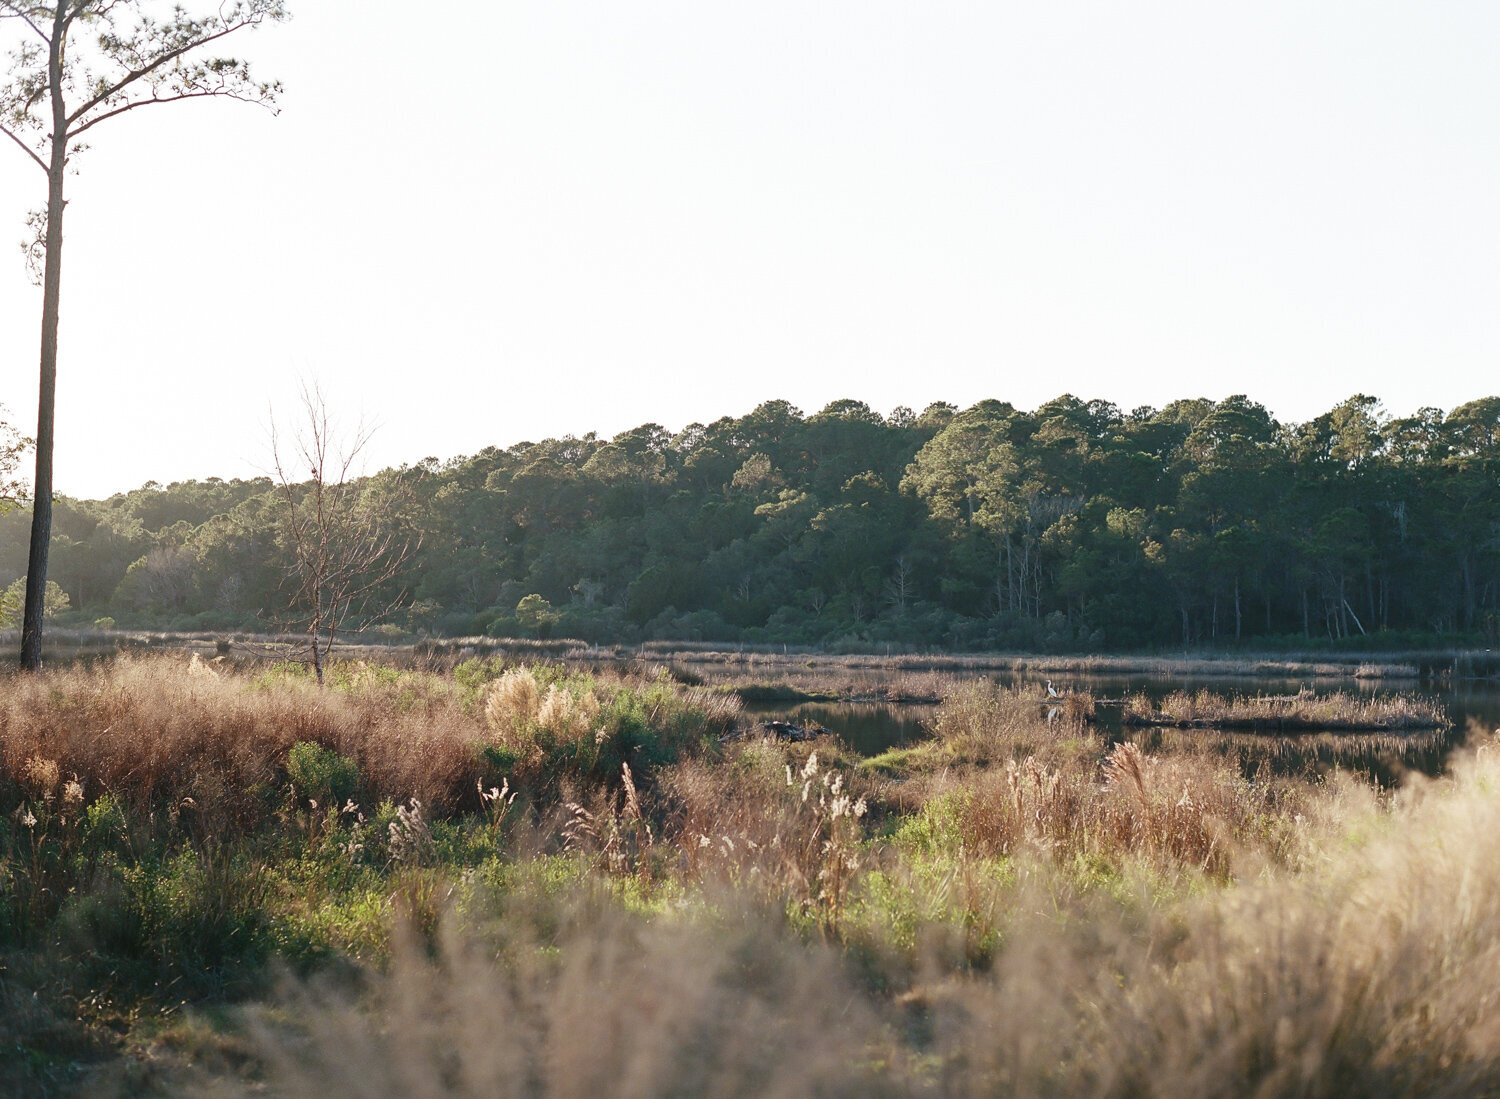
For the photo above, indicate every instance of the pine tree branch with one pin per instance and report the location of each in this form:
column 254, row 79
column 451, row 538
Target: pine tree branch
column 146, row 70
column 216, row 93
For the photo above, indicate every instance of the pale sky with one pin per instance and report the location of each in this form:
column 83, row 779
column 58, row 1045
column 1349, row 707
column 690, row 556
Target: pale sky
column 529, row 220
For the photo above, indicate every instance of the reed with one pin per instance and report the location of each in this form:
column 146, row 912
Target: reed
column 1018, row 907
column 1370, row 972
column 1339, row 710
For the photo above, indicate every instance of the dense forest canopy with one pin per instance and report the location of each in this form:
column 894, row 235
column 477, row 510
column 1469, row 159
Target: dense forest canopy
column 1076, row 525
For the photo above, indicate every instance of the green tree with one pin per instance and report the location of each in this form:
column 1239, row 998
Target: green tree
column 535, row 614
column 77, row 64
column 1475, row 427
column 12, row 599
column 988, row 472
column 12, row 446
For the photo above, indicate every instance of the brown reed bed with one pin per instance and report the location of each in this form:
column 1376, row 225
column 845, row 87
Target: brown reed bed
column 164, row 729
column 1020, row 771
column 1338, row 711
column 1303, row 751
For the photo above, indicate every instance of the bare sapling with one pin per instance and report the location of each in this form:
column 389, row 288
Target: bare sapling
column 343, row 533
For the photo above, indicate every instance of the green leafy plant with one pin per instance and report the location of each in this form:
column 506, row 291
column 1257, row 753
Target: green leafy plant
column 321, row 774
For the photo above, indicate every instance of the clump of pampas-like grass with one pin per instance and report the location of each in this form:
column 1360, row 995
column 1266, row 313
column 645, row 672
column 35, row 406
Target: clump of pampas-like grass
column 1370, row 971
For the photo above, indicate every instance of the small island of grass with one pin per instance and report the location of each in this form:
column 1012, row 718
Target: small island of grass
column 1339, row 711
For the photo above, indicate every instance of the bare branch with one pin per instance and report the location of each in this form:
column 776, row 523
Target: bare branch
column 99, row 10
column 17, row 13
column 344, row 537
column 27, row 149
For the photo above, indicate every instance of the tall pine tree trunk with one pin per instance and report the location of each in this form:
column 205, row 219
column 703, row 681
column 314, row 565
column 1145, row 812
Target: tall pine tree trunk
column 41, row 513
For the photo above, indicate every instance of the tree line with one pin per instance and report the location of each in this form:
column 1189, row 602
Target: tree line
column 1073, row 526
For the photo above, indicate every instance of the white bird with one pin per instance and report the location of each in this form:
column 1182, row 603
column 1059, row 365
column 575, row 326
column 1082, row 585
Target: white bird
column 1051, row 692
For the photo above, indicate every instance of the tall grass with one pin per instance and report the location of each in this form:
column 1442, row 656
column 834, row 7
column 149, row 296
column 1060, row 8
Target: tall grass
column 1307, row 710
column 1017, row 906
column 163, row 729
column 150, row 731
column 1369, row 970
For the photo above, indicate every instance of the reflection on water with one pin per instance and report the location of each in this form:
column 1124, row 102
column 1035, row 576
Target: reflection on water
column 868, row 728
column 871, row 728
column 1384, row 757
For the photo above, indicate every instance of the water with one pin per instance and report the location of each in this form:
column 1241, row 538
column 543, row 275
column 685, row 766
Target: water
column 868, row 728
column 1385, row 757
column 871, row 728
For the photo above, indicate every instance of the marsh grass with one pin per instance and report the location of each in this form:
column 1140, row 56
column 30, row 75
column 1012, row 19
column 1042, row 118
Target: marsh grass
column 1305, row 754
column 982, row 722
column 1017, row 906
column 1370, row 972
column 820, row 681
column 149, row 732
column 1354, row 665
column 606, row 1005
column 1012, row 781
column 180, row 824
column 1339, row 710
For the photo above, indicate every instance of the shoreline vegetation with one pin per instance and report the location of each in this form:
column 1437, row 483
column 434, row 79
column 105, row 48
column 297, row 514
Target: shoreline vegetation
column 499, row 876
column 1435, row 663
column 1305, row 712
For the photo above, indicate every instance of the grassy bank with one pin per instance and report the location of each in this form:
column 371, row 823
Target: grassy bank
column 1270, row 665
column 511, row 879
column 1290, row 662
column 1335, row 712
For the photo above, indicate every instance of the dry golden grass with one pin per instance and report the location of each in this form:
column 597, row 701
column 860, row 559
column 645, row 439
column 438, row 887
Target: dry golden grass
column 513, row 700
column 1042, row 914
column 783, row 818
column 983, row 722
column 1188, row 810
column 1369, row 971
column 149, row 729
column 607, row 1007
column 170, row 729
column 527, row 720
column 1307, row 710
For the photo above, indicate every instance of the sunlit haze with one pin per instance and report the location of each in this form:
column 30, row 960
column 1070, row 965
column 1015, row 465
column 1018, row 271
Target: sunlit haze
column 529, row 220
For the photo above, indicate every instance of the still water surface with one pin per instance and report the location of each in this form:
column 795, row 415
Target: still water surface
column 871, row 728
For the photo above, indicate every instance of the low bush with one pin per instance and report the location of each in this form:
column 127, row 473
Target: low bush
column 321, row 775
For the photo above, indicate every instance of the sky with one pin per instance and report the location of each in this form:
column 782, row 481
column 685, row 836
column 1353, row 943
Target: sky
column 498, row 221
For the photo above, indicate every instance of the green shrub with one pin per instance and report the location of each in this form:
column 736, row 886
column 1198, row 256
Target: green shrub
column 501, row 759
column 104, row 825
column 478, row 672
column 321, row 774
column 206, row 914
column 104, row 918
